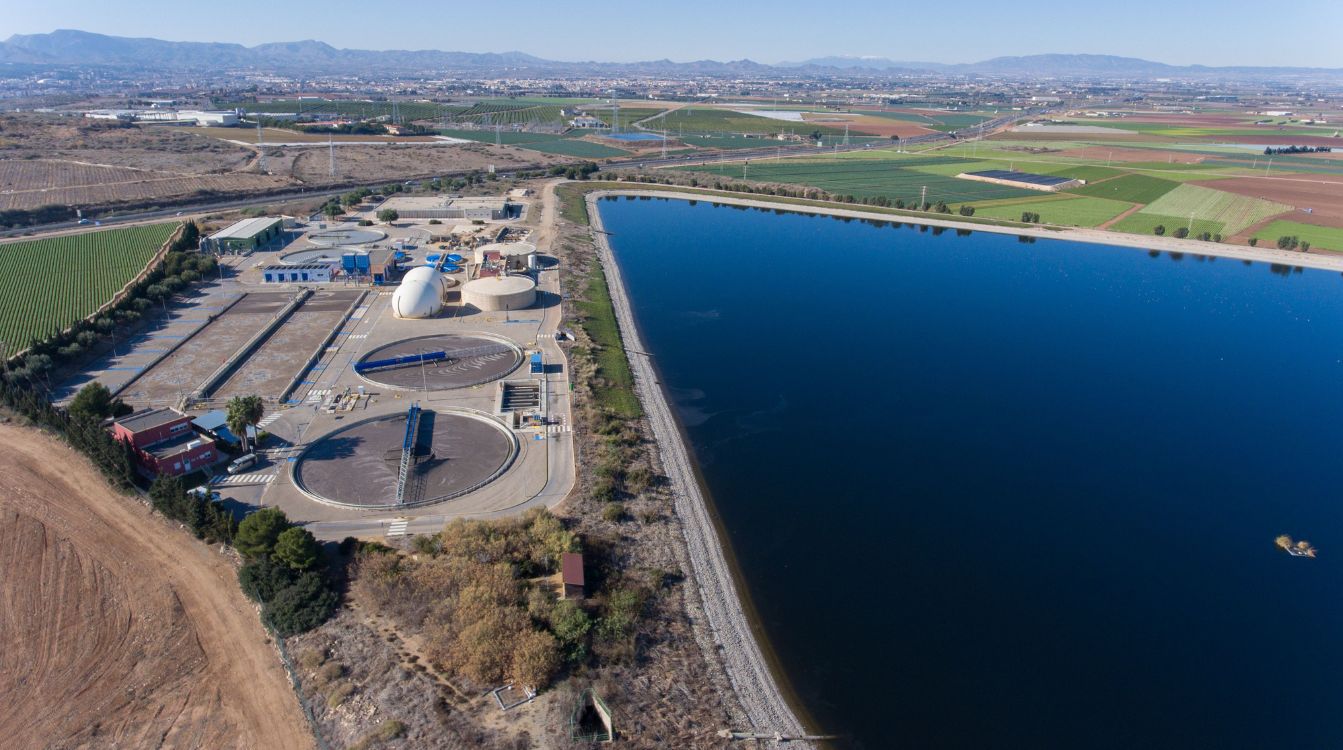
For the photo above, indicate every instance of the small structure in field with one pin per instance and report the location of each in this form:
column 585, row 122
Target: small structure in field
column 571, row 575
column 1026, row 180
column 591, row 720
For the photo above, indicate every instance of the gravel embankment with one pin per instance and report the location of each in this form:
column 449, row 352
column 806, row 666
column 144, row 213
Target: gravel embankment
column 727, row 631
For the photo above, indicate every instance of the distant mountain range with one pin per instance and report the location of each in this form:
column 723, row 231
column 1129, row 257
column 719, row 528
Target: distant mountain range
column 82, row 48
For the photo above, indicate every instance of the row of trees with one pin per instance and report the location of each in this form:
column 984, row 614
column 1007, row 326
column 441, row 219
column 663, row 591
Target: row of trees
column 1292, row 242
column 1269, row 150
column 208, row 520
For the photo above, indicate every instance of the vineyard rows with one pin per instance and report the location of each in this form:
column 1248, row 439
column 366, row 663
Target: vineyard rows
column 37, row 173
column 141, row 186
column 46, row 285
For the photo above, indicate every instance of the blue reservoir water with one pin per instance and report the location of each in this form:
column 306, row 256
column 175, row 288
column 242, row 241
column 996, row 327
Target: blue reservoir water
column 994, row 494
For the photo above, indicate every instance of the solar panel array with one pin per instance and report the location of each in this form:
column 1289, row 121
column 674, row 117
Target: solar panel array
column 1026, row 177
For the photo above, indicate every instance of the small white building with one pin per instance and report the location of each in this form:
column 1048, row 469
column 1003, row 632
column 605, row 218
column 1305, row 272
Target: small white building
column 298, row 274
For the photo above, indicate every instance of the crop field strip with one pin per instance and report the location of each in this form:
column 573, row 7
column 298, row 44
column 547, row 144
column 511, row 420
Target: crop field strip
column 46, row 285
column 567, row 144
column 1234, row 212
column 864, row 179
column 698, row 120
column 1328, row 238
column 1134, row 188
column 348, row 108
column 1063, row 210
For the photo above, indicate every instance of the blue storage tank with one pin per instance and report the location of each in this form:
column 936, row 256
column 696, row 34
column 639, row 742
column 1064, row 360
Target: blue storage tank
column 450, row 268
column 454, row 258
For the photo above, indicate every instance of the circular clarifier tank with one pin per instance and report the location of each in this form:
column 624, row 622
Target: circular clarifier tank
column 440, row 361
column 454, row 452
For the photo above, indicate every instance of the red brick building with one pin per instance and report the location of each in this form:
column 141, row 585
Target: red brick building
column 164, row 442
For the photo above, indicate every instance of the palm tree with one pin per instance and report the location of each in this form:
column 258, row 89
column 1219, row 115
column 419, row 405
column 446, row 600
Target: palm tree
column 244, row 412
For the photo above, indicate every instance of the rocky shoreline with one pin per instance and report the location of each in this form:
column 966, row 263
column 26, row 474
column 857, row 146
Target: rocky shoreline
column 725, row 630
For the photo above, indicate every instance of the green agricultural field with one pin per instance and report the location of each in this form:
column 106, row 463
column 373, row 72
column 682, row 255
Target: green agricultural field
column 1135, row 188
column 1144, row 223
column 1234, row 212
column 1062, row 210
column 866, row 179
column 506, row 137
column 549, row 143
column 725, row 142
column 697, row 120
column 349, row 108
column 575, row 147
column 489, row 114
column 46, row 285
column 1326, row 238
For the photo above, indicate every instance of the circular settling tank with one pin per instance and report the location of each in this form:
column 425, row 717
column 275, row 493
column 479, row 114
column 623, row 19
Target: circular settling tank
column 455, row 452
column 346, row 237
column 469, row 360
column 499, row 293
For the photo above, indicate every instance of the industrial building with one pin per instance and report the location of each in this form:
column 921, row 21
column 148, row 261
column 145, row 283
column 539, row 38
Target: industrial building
column 244, row 236
column 514, row 256
column 163, row 442
column 282, row 274
column 1026, row 180
column 225, row 118
column 485, row 209
column 420, row 294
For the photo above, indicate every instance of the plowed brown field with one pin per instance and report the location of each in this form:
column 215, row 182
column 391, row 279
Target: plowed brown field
column 1321, row 193
column 117, row 629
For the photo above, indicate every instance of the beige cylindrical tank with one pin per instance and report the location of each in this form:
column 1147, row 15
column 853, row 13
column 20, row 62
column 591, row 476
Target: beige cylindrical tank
column 499, row 293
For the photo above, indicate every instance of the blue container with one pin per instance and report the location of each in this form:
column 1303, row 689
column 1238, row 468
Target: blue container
column 361, row 261
column 454, row 258
column 451, row 268
column 347, row 261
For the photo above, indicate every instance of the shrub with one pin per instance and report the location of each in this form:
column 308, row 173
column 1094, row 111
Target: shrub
column 1181, row 232
column 536, row 658
column 967, row 210
column 259, row 531
column 1159, row 229
column 262, row 579
column 297, row 548
column 570, row 623
column 1254, row 241
column 338, row 694
column 301, row 606
column 614, row 512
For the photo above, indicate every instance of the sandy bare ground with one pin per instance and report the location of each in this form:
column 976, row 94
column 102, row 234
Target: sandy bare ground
column 118, row 629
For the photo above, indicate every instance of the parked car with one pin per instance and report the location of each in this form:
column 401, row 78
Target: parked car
column 205, row 492
column 242, row 464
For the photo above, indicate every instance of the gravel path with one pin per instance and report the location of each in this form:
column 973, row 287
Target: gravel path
column 728, row 630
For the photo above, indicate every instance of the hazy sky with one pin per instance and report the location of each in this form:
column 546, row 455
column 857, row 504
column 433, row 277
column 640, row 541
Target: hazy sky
column 1210, row 32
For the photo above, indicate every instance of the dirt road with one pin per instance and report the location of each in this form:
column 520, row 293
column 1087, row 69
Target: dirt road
column 118, row 629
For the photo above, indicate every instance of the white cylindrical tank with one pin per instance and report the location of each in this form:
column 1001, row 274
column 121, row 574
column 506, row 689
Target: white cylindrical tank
column 420, row 294
column 500, row 293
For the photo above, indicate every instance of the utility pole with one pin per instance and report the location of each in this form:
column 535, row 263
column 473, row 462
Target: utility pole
column 260, row 146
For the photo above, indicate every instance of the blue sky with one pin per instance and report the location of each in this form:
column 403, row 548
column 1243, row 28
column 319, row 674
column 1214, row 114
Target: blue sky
column 1222, row 32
